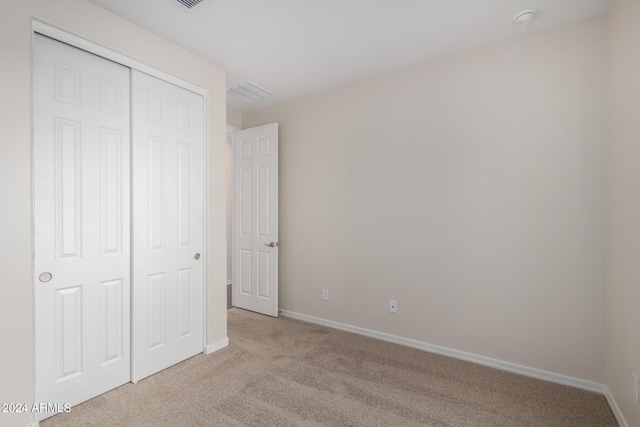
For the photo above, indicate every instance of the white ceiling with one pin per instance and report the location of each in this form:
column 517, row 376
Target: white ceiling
column 297, row 47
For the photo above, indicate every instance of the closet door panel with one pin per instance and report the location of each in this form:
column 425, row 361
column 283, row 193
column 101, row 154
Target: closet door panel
column 168, row 224
column 82, row 223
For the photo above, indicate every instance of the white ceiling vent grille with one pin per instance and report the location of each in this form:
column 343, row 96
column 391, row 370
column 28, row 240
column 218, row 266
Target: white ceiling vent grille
column 189, row 3
column 248, row 92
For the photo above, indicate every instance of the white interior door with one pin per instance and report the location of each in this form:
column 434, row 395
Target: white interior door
column 82, row 255
column 168, row 224
column 255, row 257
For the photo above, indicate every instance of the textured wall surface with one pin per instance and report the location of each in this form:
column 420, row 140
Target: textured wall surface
column 469, row 189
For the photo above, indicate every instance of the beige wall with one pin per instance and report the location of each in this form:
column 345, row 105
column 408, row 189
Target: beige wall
column 234, row 118
column 16, row 254
column 470, row 189
column 623, row 279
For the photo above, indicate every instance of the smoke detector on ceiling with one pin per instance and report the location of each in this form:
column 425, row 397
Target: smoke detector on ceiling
column 189, row 3
column 525, row 17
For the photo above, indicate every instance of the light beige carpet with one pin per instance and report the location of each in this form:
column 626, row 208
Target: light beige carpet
column 282, row 372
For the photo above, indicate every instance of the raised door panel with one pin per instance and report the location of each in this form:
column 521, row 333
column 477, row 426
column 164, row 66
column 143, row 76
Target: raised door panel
column 185, row 170
column 113, row 330
column 68, row 330
column 112, row 189
column 68, row 179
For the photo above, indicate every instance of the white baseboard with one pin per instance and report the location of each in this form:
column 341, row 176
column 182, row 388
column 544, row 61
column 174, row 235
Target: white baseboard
column 615, row 408
column 212, row 348
column 461, row 355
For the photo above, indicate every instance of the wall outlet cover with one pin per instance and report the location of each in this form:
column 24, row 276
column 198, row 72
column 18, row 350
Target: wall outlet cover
column 393, row 306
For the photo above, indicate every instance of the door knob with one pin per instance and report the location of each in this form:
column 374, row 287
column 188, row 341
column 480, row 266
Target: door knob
column 271, row 245
column 45, row 277
column 197, row 256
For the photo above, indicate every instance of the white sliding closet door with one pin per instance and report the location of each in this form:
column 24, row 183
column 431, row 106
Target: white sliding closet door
column 112, row 144
column 168, row 224
column 82, row 255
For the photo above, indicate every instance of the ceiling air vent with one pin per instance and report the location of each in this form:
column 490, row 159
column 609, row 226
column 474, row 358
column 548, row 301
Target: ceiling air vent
column 189, row 3
column 248, row 92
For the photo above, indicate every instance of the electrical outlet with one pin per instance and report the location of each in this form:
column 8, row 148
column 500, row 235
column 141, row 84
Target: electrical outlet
column 393, row 306
column 635, row 388
column 325, row 295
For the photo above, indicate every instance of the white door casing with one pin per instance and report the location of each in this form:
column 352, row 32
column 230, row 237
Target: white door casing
column 255, row 234
column 81, row 216
column 168, row 224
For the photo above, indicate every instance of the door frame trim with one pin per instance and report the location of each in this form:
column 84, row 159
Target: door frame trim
column 51, row 31
column 231, row 130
